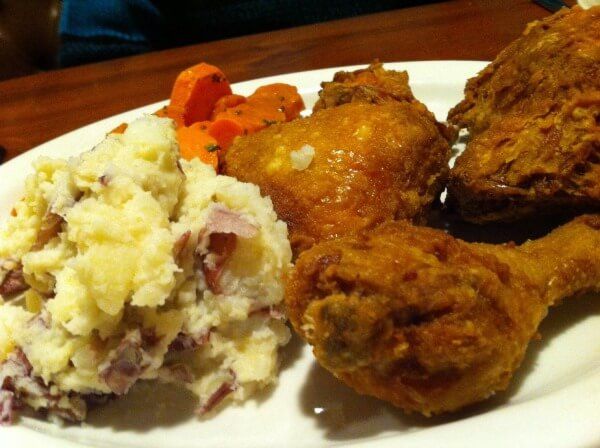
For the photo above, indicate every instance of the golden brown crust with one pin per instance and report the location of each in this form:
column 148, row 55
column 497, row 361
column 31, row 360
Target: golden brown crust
column 372, row 163
column 374, row 85
column 533, row 115
column 428, row 322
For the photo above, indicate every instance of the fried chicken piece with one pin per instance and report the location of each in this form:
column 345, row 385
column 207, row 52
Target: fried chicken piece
column 428, row 322
column 373, row 85
column 371, row 163
column 534, row 122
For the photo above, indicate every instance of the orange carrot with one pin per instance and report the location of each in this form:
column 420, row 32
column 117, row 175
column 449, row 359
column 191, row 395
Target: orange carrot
column 282, row 96
column 195, row 92
column 224, row 130
column 234, row 115
column 202, row 93
column 225, row 102
column 163, row 112
column 194, row 141
column 252, row 116
column 119, row 129
column 269, row 104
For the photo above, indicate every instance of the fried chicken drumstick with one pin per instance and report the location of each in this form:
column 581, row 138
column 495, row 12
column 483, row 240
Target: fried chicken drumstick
column 369, row 163
column 534, row 121
column 428, row 322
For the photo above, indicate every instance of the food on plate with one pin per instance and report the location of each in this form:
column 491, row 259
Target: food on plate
column 346, row 168
column 373, row 84
column 270, row 104
column 195, row 142
column 127, row 263
column 426, row 321
column 533, row 116
column 209, row 116
column 195, row 93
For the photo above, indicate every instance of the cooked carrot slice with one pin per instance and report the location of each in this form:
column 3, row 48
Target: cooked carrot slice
column 119, row 129
column 270, row 104
column 194, row 141
column 202, row 93
column 195, row 93
column 252, row 116
column 282, row 96
column 224, row 130
column 163, row 112
column 225, row 102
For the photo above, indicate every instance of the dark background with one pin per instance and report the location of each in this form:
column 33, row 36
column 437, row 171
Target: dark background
column 38, row 35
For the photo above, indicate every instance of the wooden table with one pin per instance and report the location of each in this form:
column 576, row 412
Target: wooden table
column 36, row 108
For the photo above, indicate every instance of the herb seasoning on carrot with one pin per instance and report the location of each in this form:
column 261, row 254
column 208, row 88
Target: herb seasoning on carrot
column 195, row 93
column 194, row 141
column 268, row 105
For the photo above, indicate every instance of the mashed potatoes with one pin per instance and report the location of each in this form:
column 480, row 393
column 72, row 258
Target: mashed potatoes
column 127, row 263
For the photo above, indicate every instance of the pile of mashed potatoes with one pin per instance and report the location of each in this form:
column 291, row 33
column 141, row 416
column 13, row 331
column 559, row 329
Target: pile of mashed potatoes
column 127, row 263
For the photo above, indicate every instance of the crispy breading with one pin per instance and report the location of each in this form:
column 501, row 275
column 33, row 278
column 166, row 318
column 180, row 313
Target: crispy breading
column 373, row 84
column 534, row 122
column 372, row 163
column 428, row 322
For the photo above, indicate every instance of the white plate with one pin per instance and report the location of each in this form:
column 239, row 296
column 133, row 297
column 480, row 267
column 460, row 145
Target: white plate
column 586, row 4
column 554, row 400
